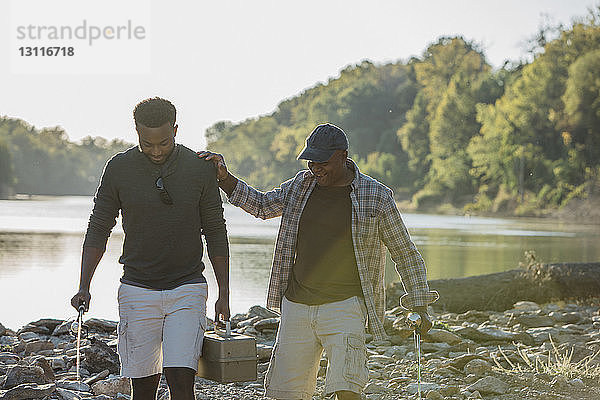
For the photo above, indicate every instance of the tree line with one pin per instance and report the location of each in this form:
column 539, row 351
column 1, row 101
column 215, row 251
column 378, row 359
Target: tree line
column 44, row 161
column 446, row 128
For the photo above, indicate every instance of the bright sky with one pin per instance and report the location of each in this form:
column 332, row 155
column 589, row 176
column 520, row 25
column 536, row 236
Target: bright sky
column 237, row 59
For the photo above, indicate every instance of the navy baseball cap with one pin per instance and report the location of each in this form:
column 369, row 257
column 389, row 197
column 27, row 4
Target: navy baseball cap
column 323, row 141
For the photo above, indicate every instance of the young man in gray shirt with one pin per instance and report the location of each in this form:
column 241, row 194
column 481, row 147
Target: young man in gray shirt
column 168, row 199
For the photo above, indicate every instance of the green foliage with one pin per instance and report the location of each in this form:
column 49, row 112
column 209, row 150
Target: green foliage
column 369, row 102
column 581, row 120
column 414, row 137
column 6, row 169
column 46, row 162
column 447, row 129
column 537, row 140
column 385, row 167
column 443, row 128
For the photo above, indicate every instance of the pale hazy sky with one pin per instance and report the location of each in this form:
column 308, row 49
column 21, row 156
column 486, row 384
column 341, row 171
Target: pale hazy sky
column 232, row 60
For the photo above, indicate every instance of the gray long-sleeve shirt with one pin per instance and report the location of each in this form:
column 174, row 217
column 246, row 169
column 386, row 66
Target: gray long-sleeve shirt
column 163, row 246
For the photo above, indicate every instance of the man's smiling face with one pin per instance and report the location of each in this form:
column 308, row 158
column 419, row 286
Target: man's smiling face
column 332, row 172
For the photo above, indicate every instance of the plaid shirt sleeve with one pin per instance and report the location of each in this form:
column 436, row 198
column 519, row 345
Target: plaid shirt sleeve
column 407, row 259
column 263, row 205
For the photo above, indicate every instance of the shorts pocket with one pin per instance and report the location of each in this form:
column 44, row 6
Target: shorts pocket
column 122, row 345
column 271, row 368
column 355, row 365
column 360, row 302
column 200, row 338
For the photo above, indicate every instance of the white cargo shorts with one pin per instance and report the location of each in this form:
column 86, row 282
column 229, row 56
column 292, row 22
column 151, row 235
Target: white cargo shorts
column 160, row 328
column 304, row 331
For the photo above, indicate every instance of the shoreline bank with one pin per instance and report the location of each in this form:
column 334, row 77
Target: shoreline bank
column 509, row 355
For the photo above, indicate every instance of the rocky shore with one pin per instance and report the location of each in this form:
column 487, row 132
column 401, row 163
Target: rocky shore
column 532, row 351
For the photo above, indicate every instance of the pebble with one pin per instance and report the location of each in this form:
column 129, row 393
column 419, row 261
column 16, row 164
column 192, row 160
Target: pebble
column 477, row 367
column 577, row 383
column 413, row 388
column 489, row 385
column 73, row 385
column 374, row 387
column 434, row 395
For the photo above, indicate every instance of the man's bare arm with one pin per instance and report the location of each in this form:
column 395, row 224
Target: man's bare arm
column 221, row 268
column 90, row 259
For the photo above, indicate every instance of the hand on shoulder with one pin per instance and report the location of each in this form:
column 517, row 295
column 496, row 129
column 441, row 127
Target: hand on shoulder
column 218, row 161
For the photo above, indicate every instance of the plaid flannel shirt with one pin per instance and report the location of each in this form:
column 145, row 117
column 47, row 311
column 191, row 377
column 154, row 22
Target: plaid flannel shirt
column 376, row 224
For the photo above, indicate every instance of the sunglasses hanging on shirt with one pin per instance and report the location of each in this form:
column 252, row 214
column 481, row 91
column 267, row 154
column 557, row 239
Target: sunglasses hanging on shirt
column 165, row 197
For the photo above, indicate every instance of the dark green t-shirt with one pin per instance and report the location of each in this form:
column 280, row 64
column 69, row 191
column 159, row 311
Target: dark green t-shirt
column 163, row 243
column 325, row 268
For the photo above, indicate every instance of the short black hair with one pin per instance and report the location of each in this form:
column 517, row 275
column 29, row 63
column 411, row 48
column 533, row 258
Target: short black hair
column 154, row 112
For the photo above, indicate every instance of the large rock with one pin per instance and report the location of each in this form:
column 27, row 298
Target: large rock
column 98, row 377
column 434, row 395
column 38, row 345
column 462, row 360
column 381, row 359
column 44, row 364
column 99, row 356
column 66, row 394
column 20, row 374
column 249, row 322
column 73, row 385
column 425, row 386
column 374, row 387
column 263, row 352
column 48, row 323
column 524, row 306
column 534, row 321
column 477, row 367
column 475, row 316
column 29, row 391
column 489, row 385
column 400, row 329
column 262, row 312
column 7, row 358
column 111, row 387
column 441, row 335
column 62, row 329
column 566, row 318
column 493, row 335
column 28, row 336
column 41, row 330
column 58, row 363
column 101, row 325
column 2, row 329
column 267, row 323
column 543, row 334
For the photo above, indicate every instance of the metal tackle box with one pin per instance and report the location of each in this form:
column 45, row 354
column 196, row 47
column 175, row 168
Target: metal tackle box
column 228, row 357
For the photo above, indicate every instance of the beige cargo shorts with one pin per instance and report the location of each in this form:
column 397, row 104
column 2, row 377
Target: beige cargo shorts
column 304, row 332
column 160, row 328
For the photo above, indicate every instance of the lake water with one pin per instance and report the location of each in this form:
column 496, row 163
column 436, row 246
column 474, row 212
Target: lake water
column 41, row 238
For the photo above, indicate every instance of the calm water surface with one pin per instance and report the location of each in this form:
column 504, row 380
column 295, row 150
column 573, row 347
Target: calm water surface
column 41, row 238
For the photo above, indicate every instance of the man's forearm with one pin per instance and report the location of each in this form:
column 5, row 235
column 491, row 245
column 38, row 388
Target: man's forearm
column 221, row 267
column 228, row 184
column 90, row 259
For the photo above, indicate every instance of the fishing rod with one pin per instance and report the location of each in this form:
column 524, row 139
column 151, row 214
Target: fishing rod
column 76, row 327
column 413, row 320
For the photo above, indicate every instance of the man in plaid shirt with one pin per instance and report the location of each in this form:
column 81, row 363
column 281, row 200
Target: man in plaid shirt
column 328, row 267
